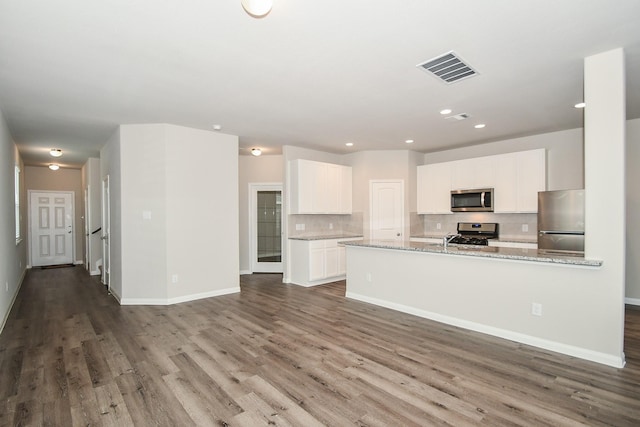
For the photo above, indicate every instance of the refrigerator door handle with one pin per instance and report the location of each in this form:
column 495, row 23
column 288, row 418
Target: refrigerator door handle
column 573, row 233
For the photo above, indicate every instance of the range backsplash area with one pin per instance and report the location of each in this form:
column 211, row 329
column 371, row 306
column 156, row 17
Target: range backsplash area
column 511, row 226
column 325, row 225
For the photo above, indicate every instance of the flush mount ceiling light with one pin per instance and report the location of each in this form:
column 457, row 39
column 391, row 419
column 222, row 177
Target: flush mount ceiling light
column 409, row 141
column 54, row 167
column 349, row 144
column 55, row 152
column 479, row 126
column 257, row 8
column 445, row 111
column 256, row 151
column 580, row 105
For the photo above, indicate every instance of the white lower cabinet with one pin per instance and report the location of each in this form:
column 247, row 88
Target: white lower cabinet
column 314, row 262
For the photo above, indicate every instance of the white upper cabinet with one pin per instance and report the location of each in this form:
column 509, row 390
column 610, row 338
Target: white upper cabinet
column 434, row 188
column 532, row 178
column 515, row 177
column 319, row 188
column 470, row 174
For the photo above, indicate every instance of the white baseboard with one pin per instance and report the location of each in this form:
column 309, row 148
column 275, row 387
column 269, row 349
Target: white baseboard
column 180, row 299
column 80, row 262
column 579, row 352
column 116, row 296
column 94, row 273
column 244, row 272
column 632, row 301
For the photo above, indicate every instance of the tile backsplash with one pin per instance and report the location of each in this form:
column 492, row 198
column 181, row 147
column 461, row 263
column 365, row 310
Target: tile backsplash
column 510, row 225
column 318, row 225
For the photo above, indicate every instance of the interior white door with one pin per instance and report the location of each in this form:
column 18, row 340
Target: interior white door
column 52, row 234
column 265, row 216
column 87, row 232
column 106, row 230
column 387, row 209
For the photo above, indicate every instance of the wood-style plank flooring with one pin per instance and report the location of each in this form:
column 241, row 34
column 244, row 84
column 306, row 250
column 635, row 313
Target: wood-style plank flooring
column 283, row 355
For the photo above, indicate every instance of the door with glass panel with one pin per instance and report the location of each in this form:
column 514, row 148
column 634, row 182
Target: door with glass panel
column 266, row 228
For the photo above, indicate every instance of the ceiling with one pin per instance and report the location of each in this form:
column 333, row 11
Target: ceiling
column 314, row 74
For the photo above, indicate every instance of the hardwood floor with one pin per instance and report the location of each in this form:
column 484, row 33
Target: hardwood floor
column 284, row 355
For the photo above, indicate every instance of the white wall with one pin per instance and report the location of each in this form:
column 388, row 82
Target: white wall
column 13, row 257
column 254, row 169
column 110, row 167
column 91, row 181
column 633, row 213
column 174, row 213
column 565, row 156
column 202, row 213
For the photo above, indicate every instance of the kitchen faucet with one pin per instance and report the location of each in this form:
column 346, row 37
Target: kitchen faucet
column 447, row 239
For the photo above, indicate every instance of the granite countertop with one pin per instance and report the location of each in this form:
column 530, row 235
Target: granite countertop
column 507, row 239
column 517, row 254
column 325, row 236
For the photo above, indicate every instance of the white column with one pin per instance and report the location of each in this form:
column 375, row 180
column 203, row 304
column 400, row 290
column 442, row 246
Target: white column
column 604, row 152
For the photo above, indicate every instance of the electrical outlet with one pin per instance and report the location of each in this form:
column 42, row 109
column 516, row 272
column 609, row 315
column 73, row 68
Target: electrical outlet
column 536, row 309
column 438, row 226
column 174, row 278
column 525, row 228
column 299, row 227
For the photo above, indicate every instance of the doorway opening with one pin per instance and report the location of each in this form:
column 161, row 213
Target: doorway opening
column 265, row 218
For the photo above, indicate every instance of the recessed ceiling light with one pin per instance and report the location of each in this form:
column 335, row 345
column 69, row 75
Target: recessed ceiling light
column 54, row 167
column 580, row 105
column 55, row 152
column 256, row 151
column 349, row 144
column 217, row 127
column 445, row 111
column 409, row 141
column 479, row 126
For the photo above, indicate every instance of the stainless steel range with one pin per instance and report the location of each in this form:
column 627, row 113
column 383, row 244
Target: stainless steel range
column 475, row 233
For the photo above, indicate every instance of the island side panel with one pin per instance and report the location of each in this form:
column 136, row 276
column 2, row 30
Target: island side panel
column 495, row 296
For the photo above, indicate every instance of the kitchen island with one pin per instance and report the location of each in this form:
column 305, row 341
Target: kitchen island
column 557, row 302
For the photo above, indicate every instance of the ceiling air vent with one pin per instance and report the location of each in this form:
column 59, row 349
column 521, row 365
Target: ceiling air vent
column 458, row 117
column 448, row 67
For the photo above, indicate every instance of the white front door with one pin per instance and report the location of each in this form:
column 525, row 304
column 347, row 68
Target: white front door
column 387, row 209
column 265, row 218
column 51, row 230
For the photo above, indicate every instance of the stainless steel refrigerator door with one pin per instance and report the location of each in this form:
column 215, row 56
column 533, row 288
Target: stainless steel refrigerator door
column 561, row 243
column 561, row 210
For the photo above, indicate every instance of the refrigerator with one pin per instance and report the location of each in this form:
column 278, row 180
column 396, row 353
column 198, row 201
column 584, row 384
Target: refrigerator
column 561, row 221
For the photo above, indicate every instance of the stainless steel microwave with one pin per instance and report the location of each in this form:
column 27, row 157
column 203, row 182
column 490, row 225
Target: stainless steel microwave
column 472, row 200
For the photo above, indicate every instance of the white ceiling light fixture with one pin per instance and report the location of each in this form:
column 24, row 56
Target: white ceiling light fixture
column 257, row 8
column 55, row 152
column 445, row 111
column 409, row 141
column 54, row 167
column 479, row 126
column 580, row 105
column 349, row 144
column 256, row 151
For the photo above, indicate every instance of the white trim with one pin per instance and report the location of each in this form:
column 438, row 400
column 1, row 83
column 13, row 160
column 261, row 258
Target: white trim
column 254, row 187
column 78, row 262
column 632, row 301
column 594, row 356
column 244, row 272
column 180, row 299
